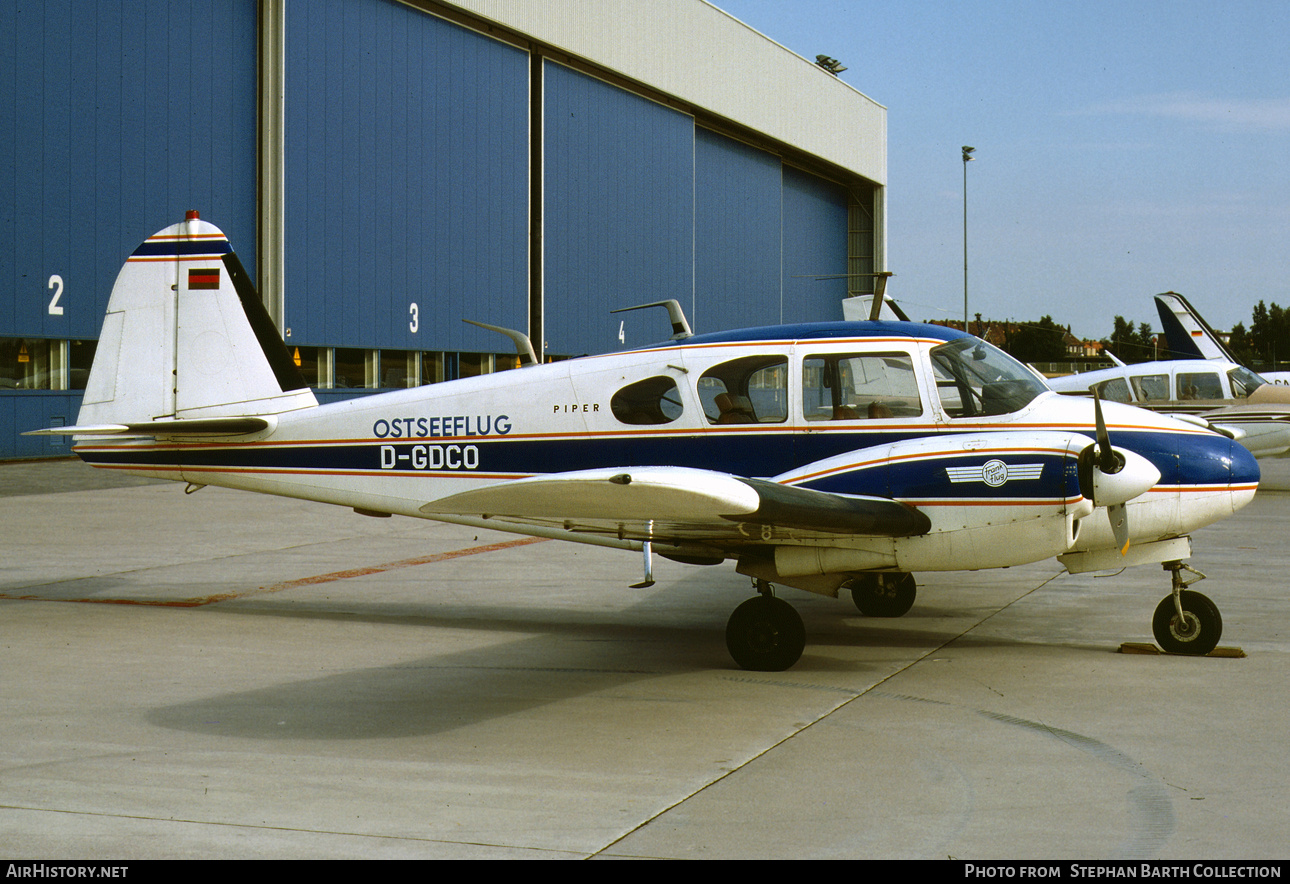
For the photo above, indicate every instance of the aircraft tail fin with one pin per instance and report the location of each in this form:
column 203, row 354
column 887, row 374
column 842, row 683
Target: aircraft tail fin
column 859, row 308
column 186, row 337
column 1187, row 334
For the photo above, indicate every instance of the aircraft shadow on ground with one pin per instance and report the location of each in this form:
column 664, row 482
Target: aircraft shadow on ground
column 560, row 654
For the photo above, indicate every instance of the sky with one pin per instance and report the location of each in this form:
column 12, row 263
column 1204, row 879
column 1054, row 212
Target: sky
column 1123, row 148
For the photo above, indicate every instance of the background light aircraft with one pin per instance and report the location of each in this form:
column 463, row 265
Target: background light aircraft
column 1189, row 336
column 1216, row 393
column 829, row 456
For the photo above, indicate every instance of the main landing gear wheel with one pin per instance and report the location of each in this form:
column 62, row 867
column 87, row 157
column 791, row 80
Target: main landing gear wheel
column 765, row 634
column 1196, row 632
column 883, row 595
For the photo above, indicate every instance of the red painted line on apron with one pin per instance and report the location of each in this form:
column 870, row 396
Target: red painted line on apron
column 302, row 581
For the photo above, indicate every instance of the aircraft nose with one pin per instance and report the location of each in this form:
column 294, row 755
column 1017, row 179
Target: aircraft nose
column 1210, row 460
column 1244, row 468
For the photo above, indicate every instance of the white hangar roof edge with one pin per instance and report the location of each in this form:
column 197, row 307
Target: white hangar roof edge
column 707, row 58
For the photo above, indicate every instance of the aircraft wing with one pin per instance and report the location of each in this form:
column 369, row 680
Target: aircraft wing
column 1263, row 429
column 680, row 504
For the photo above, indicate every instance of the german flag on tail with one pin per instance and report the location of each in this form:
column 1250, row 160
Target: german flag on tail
column 203, row 278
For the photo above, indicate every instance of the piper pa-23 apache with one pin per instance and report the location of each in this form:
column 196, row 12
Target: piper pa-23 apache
column 829, row 456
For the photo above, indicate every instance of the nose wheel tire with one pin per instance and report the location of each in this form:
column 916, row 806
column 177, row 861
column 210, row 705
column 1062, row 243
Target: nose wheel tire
column 883, row 595
column 765, row 634
column 1196, row 632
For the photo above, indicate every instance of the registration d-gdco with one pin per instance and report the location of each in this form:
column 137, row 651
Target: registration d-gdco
column 430, row 457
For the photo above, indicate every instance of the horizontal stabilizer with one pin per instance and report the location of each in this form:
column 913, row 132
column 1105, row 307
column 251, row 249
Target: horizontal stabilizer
column 214, row 426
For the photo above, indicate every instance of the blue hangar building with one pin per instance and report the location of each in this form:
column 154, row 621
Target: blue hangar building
column 386, row 169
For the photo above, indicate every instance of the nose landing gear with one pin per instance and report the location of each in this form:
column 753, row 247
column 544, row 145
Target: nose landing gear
column 1186, row 622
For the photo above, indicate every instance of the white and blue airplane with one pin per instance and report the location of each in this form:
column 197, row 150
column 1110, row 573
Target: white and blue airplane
column 825, row 457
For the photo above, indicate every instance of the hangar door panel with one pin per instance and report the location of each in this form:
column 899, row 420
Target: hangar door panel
column 619, row 212
column 815, row 247
column 407, row 179
column 738, row 203
column 121, row 117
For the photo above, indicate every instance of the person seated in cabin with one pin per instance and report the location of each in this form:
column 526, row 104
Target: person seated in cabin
column 734, row 410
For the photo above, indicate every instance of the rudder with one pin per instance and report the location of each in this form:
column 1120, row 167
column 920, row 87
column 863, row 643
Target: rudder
column 1187, row 335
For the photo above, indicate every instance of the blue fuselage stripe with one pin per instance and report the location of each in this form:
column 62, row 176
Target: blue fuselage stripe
column 1182, row 459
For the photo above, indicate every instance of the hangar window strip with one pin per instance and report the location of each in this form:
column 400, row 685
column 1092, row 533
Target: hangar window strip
column 45, row 364
column 862, row 260
column 347, row 368
column 58, row 365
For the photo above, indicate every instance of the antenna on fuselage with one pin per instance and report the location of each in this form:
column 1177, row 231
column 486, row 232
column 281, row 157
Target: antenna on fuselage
column 523, row 346
column 680, row 328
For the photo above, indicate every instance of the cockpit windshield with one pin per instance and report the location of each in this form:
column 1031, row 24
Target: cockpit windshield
column 974, row 378
column 1244, row 382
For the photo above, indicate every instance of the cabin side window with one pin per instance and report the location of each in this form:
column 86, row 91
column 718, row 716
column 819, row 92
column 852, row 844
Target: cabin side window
column 1151, row 387
column 749, row 390
column 651, row 401
column 1199, row 385
column 1114, row 390
column 848, row 386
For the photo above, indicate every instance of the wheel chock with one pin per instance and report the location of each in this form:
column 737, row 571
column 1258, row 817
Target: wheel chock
column 1151, row 650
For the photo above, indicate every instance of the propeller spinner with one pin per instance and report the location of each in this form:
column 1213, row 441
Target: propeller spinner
column 1111, row 477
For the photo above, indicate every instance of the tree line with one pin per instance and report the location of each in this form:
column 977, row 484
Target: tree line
column 1265, row 344
column 1268, row 340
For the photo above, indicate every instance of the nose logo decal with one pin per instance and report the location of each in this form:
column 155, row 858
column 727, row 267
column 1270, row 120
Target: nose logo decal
column 994, row 473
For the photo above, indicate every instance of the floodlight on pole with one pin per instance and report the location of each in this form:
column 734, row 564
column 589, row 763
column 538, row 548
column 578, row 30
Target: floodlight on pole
column 967, row 158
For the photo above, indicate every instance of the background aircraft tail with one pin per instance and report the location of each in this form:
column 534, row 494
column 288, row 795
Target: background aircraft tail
column 186, row 337
column 858, row 308
column 1187, row 334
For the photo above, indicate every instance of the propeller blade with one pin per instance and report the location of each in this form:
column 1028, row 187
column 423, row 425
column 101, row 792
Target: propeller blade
column 1111, row 478
column 1108, row 461
column 1119, row 515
